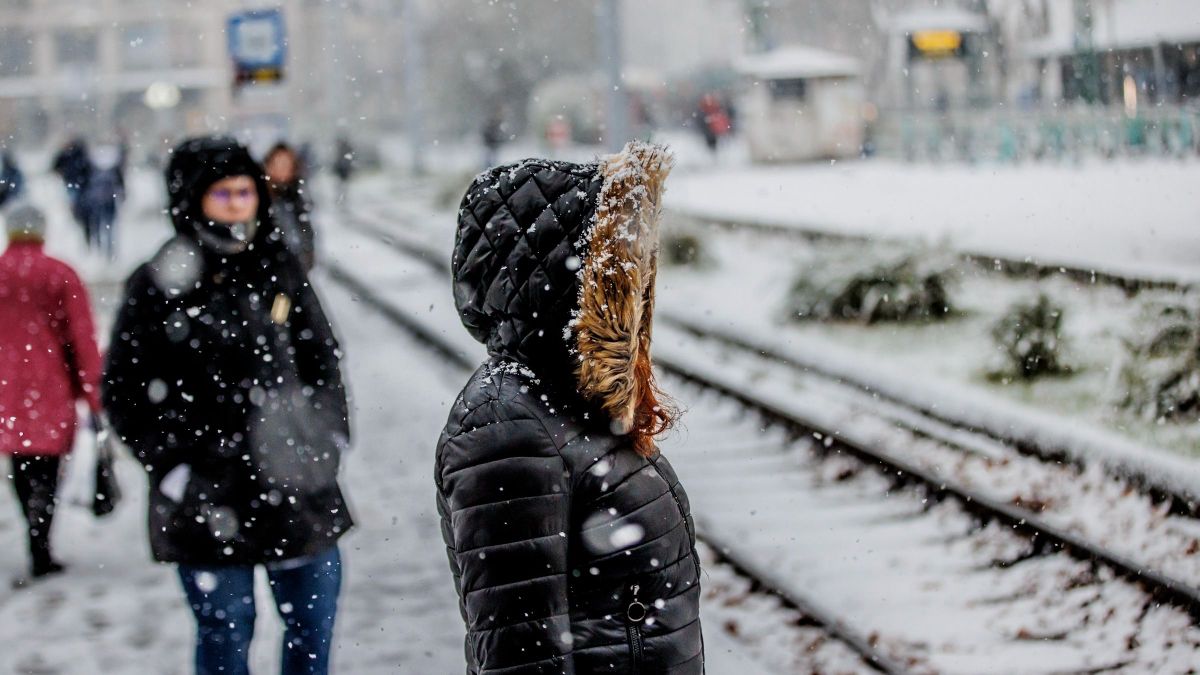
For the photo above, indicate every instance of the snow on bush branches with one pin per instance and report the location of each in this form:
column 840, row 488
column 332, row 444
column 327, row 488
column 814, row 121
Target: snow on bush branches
column 909, row 286
column 1160, row 376
column 1029, row 340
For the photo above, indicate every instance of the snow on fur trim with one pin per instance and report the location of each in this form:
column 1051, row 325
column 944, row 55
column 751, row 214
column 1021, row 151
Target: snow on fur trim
column 616, row 285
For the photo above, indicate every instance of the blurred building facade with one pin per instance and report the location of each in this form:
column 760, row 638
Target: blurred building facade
column 71, row 68
column 150, row 70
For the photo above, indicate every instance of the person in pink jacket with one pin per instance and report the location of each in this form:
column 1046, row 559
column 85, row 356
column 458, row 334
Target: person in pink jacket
column 48, row 361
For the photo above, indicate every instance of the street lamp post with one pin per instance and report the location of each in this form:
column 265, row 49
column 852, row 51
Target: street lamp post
column 608, row 26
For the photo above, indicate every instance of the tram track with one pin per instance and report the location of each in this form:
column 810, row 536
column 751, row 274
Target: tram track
column 721, row 553
column 1044, row 538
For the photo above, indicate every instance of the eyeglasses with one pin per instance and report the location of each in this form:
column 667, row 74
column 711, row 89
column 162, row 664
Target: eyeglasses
column 227, row 195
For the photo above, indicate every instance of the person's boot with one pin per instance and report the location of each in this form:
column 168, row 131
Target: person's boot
column 45, row 568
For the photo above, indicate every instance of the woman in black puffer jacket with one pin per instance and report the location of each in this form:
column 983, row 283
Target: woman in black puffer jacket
column 570, row 539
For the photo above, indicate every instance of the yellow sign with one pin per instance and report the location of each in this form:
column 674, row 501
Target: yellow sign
column 937, row 42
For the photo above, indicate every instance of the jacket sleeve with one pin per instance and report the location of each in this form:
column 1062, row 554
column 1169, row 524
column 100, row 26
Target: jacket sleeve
column 318, row 353
column 145, row 408
column 505, row 502
column 79, row 337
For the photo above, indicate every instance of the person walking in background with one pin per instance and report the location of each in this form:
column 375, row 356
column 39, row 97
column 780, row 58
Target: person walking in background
column 493, row 136
column 290, row 204
column 73, row 167
column 343, row 167
column 101, row 196
column 223, row 378
column 49, row 360
column 570, row 539
column 12, row 180
column 715, row 122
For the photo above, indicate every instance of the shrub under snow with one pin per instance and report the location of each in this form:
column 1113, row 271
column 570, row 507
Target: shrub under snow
column 1160, row 376
column 911, row 286
column 1029, row 339
column 682, row 249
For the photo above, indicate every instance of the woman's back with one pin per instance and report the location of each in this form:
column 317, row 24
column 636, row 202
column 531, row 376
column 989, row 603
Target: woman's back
column 570, row 539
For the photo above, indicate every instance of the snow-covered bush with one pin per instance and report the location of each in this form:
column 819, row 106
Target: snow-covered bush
column 909, row 286
column 1160, row 375
column 1029, row 340
column 682, row 249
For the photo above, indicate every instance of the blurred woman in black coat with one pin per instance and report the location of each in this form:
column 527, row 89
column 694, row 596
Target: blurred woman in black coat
column 223, row 378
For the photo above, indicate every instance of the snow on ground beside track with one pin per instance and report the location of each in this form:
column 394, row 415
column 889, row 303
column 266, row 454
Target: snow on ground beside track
column 916, row 577
column 911, row 579
column 726, row 609
column 1088, row 503
column 1129, row 217
column 942, row 365
column 115, row 611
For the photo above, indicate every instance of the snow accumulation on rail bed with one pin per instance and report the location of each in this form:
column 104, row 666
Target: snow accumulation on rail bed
column 1128, row 219
column 972, row 408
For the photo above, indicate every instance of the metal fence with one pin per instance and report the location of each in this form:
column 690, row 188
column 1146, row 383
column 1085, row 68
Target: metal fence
column 1060, row 135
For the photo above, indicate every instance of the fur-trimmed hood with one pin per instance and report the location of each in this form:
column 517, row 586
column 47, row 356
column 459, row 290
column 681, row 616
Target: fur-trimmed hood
column 554, row 266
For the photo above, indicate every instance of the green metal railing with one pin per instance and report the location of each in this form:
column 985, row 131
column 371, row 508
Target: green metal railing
column 1064, row 135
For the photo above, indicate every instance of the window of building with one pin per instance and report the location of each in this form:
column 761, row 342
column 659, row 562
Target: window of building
column 144, row 46
column 76, row 47
column 794, row 89
column 16, row 52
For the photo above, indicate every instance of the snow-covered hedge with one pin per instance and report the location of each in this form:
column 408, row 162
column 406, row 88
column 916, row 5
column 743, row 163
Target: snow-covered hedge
column 1160, row 376
column 1029, row 340
column 908, row 286
column 683, row 249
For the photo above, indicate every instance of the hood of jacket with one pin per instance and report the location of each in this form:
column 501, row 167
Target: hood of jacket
column 554, row 266
column 195, row 165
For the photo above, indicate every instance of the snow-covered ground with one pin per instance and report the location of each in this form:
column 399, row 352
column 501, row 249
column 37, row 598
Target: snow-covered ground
column 918, row 580
column 941, row 365
column 117, row 612
column 1136, row 218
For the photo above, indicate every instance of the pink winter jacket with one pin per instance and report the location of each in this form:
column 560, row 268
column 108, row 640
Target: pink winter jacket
column 48, row 353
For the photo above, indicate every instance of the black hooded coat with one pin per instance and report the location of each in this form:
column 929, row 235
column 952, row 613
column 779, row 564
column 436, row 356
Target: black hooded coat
column 571, row 553
column 203, row 345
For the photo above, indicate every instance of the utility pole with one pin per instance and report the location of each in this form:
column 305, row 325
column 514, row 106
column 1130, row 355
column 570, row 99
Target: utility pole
column 760, row 34
column 1088, row 73
column 608, row 27
column 414, row 85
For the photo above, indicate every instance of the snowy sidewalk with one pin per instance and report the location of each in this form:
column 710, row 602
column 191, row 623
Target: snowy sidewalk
column 117, row 612
column 1137, row 219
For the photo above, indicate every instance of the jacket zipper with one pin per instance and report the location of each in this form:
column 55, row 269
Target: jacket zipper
column 635, row 615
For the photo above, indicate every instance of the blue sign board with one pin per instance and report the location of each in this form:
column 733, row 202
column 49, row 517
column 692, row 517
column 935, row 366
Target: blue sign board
column 257, row 44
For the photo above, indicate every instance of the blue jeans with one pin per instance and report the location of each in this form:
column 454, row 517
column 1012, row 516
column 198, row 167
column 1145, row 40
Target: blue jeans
column 222, row 600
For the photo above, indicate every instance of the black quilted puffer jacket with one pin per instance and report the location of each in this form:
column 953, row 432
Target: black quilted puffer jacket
column 571, row 552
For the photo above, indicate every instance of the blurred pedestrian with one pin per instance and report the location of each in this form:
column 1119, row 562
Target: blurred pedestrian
column 73, row 167
column 290, row 203
column 49, row 360
column 715, row 121
column 223, row 378
column 101, row 196
column 12, row 179
column 493, row 136
column 344, row 167
column 569, row 537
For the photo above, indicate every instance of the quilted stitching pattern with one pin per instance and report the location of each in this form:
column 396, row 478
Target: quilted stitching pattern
column 514, row 284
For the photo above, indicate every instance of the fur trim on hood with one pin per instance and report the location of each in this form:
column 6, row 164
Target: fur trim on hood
column 616, row 291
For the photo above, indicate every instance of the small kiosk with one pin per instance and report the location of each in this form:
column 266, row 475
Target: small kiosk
column 801, row 103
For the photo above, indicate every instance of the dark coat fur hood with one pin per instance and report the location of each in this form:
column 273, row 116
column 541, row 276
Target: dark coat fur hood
column 571, row 552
